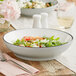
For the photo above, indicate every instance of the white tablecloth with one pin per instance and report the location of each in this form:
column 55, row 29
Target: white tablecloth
column 69, row 57
column 27, row 22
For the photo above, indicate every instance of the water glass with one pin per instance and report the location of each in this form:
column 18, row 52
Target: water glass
column 66, row 17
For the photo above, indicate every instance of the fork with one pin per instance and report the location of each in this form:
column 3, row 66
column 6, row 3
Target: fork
column 3, row 59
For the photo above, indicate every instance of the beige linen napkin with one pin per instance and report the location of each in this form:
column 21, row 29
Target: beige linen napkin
column 10, row 69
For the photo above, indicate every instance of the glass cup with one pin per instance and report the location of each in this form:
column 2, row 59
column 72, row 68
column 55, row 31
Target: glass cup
column 65, row 16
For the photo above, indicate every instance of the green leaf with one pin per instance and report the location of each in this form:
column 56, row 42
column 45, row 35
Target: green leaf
column 45, row 37
column 1, row 16
column 18, row 42
column 1, row 0
column 50, row 3
column 17, row 0
column 31, row 0
column 28, row 43
column 48, row 44
column 58, row 43
column 24, row 44
column 22, row 41
column 57, row 38
column 52, row 38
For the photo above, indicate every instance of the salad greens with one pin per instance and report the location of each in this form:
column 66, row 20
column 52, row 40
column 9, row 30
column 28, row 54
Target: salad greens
column 36, row 4
column 38, row 41
column 31, row 1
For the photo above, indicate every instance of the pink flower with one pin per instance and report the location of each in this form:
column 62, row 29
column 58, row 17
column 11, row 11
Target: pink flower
column 10, row 10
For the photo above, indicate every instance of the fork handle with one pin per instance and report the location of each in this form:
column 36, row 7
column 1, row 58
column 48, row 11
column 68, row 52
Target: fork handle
column 2, row 56
column 20, row 66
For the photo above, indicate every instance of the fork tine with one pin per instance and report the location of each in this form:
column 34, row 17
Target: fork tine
column 2, row 56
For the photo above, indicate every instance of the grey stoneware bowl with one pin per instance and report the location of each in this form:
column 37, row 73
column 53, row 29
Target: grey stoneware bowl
column 35, row 53
column 30, row 12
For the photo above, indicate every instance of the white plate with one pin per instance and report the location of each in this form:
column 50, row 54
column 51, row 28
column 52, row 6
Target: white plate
column 36, row 53
column 30, row 12
column 35, row 59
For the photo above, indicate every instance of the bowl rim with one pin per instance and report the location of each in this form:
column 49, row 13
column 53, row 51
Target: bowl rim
column 39, row 47
column 40, row 8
